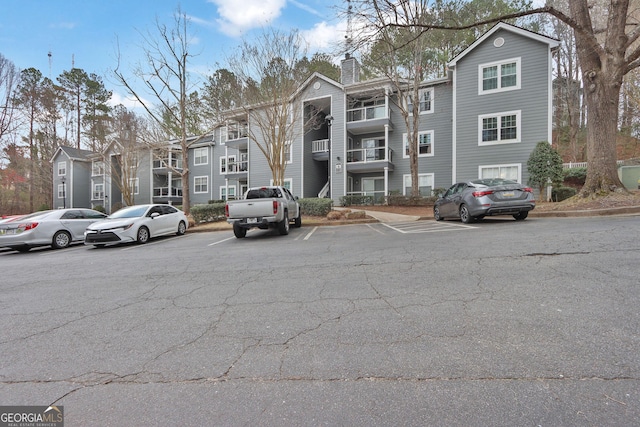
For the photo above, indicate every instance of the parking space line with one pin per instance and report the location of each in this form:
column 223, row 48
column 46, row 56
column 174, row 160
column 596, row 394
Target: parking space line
column 310, row 233
column 426, row 227
column 221, row 241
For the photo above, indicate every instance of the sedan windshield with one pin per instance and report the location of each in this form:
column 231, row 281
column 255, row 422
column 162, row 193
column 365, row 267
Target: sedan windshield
column 130, row 212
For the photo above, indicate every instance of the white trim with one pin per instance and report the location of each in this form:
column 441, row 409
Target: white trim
column 223, row 188
column 195, row 156
column 499, row 116
column 507, row 165
column 206, row 190
column 498, row 65
column 553, row 43
column 420, row 175
column 422, row 132
column 454, row 124
column 65, row 168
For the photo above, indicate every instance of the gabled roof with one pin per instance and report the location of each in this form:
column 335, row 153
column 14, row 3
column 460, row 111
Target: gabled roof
column 553, row 43
column 74, row 153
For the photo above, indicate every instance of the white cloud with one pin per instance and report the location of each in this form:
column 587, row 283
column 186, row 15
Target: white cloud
column 239, row 16
column 325, row 37
column 129, row 102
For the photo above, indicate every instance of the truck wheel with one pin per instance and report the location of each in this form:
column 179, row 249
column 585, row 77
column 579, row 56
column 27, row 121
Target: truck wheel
column 238, row 231
column 283, row 226
column 298, row 221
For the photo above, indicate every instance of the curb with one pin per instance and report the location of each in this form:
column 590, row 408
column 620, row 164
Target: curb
column 626, row 210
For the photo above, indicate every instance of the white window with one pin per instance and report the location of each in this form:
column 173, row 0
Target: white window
column 499, row 76
column 223, row 192
column 426, row 101
column 425, row 182
column 228, row 165
column 60, row 191
column 288, row 184
column 224, row 134
column 200, row 184
column 511, row 172
column 97, row 168
column 288, row 155
column 201, row 156
column 62, row 168
column 98, row 191
column 425, row 144
column 134, row 185
column 500, row 128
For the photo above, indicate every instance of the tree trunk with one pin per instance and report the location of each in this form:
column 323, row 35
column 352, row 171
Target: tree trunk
column 602, row 171
column 186, row 200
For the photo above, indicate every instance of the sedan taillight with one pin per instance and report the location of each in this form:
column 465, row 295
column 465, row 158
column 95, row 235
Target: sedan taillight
column 482, row 193
column 28, row 226
column 528, row 189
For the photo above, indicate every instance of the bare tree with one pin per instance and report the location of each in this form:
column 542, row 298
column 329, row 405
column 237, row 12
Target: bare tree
column 267, row 71
column 164, row 76
column 9, row 80
column 607, row 52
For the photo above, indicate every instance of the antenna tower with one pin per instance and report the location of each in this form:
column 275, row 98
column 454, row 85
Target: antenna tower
column 348, row 38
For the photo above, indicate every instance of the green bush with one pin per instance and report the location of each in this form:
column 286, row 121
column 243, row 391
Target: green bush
column 100, row 208
column 399, row 200
column 561, row 193
column 356, row 200
column 208, row 213
column 211, row 202
column 315, row 206
column 574, row 177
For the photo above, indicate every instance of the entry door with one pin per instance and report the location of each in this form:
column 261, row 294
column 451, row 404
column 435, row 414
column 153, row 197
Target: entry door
column 373, row 187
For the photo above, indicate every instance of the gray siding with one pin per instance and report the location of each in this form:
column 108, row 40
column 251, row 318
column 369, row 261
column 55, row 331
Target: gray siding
column 531, row 100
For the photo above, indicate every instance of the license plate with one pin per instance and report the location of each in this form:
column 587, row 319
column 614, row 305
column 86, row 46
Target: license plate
column 508, row 194
column 252, row 220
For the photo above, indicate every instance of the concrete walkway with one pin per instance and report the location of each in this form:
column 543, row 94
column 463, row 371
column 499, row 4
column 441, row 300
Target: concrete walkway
column 387, row 217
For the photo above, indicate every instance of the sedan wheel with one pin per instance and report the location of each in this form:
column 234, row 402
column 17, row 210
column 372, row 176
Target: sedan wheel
column 143, row 235
column 61, row 240
column 465, row 216
column 182, row 228
column 520, row 216
column 436, row 214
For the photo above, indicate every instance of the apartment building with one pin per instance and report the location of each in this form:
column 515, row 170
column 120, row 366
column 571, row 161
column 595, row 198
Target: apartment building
column 481, row 121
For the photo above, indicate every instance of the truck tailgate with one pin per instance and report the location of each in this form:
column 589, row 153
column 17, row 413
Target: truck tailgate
column 251, row 208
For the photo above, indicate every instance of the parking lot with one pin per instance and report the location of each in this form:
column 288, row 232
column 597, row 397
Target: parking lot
column 495, row 323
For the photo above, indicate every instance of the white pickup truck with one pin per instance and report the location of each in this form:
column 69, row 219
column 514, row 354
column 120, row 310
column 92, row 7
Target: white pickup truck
column 263, row 207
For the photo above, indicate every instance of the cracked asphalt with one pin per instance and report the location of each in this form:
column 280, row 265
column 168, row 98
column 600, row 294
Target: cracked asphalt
column 509, row 323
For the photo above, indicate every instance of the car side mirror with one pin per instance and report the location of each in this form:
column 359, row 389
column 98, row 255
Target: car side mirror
column 154, row 215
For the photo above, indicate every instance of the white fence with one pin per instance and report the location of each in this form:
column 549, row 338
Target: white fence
column 573, row 165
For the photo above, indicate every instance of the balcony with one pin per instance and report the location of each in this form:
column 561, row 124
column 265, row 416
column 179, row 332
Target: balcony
column 167, row 194
column 363, row 160
column 368, row 119
column 163, row 164
column 320, row 149
column 237, row 170
column 237, row 136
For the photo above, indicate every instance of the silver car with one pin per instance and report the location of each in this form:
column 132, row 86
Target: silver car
column 473, row 200
column 137, row 224
column 57, row 228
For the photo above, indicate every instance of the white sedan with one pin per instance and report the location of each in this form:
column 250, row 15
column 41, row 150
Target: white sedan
column 55, row 228
column 137, row 224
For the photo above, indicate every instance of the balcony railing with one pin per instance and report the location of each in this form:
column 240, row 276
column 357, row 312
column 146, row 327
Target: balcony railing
column 320, row 146
column 236, row 167
column 366, row 113
column 164, row 192
column 162, row 163
column 369, row 155
column 237, row 131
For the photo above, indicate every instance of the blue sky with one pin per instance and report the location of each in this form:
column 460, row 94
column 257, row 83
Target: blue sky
column 86, row 32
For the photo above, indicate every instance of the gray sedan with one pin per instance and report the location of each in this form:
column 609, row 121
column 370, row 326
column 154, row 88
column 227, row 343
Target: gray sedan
column 57, row 228
column 473, row 200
